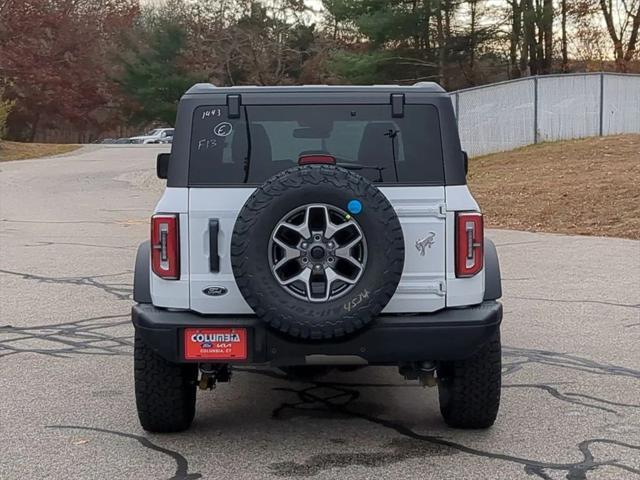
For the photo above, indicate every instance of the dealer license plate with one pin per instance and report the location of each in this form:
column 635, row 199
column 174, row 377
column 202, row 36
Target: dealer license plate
column 215, row 344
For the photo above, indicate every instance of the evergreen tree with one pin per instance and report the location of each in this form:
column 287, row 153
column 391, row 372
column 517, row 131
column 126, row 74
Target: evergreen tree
column 154, row 76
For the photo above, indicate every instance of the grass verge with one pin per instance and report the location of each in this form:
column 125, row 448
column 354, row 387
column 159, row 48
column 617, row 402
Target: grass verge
column 22, row 151
column 584, row 187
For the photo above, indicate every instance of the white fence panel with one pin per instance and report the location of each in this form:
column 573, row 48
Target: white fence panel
column 497, row 118
column 512, row 114
column 621, row 109
column 568, row 107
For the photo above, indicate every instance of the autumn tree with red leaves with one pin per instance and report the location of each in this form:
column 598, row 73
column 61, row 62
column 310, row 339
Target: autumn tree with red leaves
column 54, row 61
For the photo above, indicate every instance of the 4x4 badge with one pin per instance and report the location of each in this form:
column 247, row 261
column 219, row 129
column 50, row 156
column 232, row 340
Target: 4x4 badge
column 426, row 242
column 215, row 291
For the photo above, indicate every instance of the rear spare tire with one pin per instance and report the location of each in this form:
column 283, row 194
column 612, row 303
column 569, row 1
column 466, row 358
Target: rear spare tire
column 317, row 252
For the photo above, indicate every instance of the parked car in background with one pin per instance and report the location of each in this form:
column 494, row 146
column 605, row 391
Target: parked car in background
column 157, row 135
column 115, row 140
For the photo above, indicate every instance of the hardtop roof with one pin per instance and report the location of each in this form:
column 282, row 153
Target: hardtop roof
column 422, row 87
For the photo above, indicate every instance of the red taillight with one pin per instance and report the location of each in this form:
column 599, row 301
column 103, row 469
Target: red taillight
column 165, row 246
column 316, row 159
column 469, row 244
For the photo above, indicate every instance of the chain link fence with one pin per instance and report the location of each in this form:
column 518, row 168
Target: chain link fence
column 507, row 115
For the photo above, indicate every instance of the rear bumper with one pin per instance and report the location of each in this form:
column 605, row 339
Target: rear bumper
column 450, row 334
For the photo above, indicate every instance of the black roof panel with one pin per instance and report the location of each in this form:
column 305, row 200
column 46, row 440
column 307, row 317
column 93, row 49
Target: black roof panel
column 423, row 87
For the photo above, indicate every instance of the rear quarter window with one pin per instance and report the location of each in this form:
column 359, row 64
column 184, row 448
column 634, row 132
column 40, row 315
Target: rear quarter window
column 267, row 139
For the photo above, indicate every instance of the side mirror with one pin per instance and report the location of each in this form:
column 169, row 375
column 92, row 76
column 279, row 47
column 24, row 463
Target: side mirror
column 162, row 165
column 465, row 159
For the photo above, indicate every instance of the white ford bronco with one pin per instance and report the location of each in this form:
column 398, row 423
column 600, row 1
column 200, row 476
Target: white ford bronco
column 316, row 226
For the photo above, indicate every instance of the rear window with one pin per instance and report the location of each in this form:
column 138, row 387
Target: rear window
column 267, row 139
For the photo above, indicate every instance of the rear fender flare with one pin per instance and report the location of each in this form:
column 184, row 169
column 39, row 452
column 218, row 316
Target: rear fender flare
column 492, row 277
column 141, row 276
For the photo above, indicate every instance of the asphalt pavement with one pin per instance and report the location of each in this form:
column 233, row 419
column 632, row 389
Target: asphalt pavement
column 69, row 228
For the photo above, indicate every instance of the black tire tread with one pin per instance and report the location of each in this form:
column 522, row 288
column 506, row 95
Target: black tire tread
column 165, row 391
column 469, row 389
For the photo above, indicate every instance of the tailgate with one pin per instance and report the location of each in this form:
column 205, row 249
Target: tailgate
column 422, row 216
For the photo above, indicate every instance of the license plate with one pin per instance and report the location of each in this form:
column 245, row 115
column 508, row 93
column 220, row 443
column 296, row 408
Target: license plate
column 215, row 344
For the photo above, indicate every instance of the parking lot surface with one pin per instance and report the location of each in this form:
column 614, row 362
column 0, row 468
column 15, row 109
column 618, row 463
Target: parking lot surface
column 69, row 229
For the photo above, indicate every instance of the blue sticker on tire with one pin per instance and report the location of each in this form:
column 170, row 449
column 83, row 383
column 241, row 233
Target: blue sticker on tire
column 354, row 207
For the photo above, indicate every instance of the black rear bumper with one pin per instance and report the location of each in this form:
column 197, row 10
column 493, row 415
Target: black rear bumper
column 449, row 334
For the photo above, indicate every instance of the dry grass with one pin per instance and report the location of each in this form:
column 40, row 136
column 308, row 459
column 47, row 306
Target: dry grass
column 21, row 151
column 585, row 187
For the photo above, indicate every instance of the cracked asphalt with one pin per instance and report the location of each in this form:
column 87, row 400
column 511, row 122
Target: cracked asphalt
column 69, row 228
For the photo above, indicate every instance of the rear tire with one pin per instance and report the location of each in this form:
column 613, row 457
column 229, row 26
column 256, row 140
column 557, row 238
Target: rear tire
column 165, row 391
column 469, row 389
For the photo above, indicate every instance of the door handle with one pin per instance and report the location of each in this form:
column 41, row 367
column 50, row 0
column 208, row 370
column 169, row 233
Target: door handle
column 214, row 258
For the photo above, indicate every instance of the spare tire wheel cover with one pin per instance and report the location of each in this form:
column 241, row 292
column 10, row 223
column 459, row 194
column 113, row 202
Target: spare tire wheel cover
column 317, row 252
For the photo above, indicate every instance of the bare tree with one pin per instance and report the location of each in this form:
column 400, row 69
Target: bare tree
column 622, row 18
column 515, row 37
column 546, row 29
column 563, row 27
column 528, row 64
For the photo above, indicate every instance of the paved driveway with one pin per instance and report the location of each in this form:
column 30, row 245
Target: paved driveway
column 69, row 228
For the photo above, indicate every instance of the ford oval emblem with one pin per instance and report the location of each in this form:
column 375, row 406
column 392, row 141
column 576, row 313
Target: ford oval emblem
column 215, row 291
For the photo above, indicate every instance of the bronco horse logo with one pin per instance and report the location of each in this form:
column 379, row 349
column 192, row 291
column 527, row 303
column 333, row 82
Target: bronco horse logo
column 422, row 244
